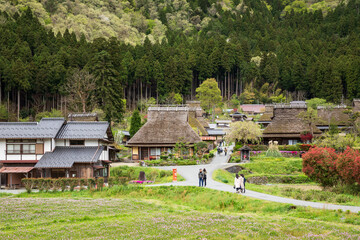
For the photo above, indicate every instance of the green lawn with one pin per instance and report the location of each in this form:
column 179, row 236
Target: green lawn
column 165, row 213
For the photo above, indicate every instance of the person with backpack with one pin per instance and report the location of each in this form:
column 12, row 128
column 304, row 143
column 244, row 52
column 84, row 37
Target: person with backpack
column 201, row 178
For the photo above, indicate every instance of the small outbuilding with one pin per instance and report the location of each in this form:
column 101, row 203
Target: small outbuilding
column 245, row 153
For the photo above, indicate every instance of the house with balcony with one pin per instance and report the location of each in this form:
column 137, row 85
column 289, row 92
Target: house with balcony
column 54, row 148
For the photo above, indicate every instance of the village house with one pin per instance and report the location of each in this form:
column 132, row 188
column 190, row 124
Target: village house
column 266, row 118
column 286, row 126
column 165, row 127
column 54, row 148
column 252, row 109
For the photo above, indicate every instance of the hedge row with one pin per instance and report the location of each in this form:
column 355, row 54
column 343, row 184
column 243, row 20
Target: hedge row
column 287, row 179
column 56, row 184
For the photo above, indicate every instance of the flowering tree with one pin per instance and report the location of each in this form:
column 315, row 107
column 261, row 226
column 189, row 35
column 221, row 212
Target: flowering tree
column 306, row 136
column 244, row 132
column 319, row 164
column 348, row 166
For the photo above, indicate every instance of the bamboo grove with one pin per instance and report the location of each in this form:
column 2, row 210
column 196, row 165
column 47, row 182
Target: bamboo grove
column 300, row 54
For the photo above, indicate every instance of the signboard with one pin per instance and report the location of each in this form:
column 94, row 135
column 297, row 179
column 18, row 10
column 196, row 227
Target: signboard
column 174, row 175
column 208, row 138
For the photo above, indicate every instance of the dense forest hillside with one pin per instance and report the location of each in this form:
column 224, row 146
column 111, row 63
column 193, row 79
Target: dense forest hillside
column 258, row 51
column 132, row 21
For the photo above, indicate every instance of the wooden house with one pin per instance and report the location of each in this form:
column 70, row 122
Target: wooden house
column 286, row 126
column 332, row 116
column 236, row 117
column 266, row 118
column 165, row 127
column 54, row 148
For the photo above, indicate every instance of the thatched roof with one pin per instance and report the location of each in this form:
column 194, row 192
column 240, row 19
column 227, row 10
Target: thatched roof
column 268, row 114
column 333, row 115
column 194, row 123
column 165, row 127
column 266, row 117
column 286, row 123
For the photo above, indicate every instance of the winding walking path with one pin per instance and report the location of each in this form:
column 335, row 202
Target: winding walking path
column 190, row 174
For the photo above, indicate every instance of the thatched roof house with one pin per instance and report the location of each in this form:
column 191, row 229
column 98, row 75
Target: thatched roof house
column 165, row 127
column 286, row 126
column 266, row 118
column 334, row 115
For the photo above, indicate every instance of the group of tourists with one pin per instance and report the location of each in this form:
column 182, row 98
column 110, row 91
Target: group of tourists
column 239, row 183
column 202, row 177
column 220, row 150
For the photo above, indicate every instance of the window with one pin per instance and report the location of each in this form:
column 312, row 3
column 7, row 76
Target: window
column 14, row 148
column 293, row 142
column 77, row 142
column 20, row 146
column 155, row 151
column 105, row 172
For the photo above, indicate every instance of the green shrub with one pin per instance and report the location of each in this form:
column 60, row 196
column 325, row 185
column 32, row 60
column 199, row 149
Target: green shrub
column 111, row 181
column 100, row 183
column 63, row 183
column 286, row 179
column 123, row 180
column 83, row 182
column 73, row 182
column 91, row 183
column 47, row 184
column 28, row 183
column 55, row 184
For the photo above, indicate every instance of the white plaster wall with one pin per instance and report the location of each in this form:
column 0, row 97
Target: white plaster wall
column 91, row 142
column 53, row 144
column 104, row 155
column 59, row 143
column 2, row 149
column 28, row 157
column 14, row 157
column 47, row 145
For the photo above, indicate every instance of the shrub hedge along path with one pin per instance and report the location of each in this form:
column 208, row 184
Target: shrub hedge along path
column 190, row 173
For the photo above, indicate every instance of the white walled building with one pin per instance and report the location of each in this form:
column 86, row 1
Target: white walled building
column 54, row 148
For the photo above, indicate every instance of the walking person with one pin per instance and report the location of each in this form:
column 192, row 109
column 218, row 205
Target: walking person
column 237, row 183
column 201, row 178
column 225, row 150
column 243, row 189
column 205, row 176
column 242, row 183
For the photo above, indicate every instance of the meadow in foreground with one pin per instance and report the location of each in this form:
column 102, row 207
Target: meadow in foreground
column 165, row 213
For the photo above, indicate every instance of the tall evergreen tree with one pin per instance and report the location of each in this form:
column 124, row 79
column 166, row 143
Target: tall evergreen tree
column 109, row 92
column 135, row 124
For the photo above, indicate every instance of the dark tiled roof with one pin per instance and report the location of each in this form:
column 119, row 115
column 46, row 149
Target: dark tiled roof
column 46, row 128
column 65, row 157
column 215, row 132
column 83, row 130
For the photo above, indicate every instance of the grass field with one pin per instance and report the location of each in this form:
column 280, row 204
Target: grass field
column 165, row 213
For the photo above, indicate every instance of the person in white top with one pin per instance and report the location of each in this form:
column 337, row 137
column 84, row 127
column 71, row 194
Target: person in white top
column 237, row 183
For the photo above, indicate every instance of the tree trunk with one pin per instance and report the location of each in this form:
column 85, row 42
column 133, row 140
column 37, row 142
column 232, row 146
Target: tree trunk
column 18, row 107
column 134, row 96
column 237, row 82
column 228, row 97
column 0, row 91
column 8, row 101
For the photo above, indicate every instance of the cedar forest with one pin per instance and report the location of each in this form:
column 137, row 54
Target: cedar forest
column 259, row 52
